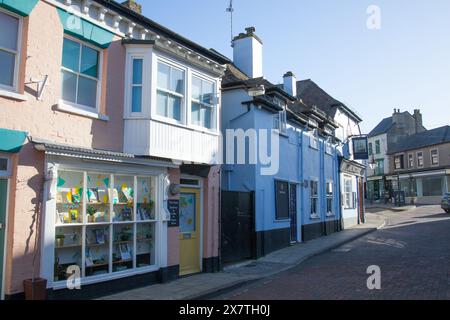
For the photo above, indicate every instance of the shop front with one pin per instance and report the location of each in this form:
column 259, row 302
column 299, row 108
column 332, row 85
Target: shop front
column 105, row 218
column 352, row 192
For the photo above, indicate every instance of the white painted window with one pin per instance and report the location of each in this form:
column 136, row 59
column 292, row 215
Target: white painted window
column 410, row 160
column 434, row 154
column 10, row 35
column 314, row 197
column 5, row 166
column 280, row 122
column 203, row 103
column 81, row 75
column 170, row 92
column 348, row 193
column 420, row 159
column 137, row 85
column 329, row 190
column 313, row 140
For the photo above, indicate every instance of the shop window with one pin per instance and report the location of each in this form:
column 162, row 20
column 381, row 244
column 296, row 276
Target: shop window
column 170, row 91
column 314, row 197
column 80, row 75
column 108, row 221
column 203, row 104
column 434, row 157
column 349, row 202
column 420, row 159
column 10, row 27
column 432, row 187
column 329, row 187
column 282, row 200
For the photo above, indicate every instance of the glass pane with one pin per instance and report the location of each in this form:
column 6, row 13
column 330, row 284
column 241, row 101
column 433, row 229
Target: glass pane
column 97, row 250
column 136, row 99
column 68, row 249
column 87, row 92
column 196, row 88
column 205, row 114
column 187, row 212
column 69, row 208
column 69, row 86
column 9, row 27
column 208, row 92
column 174, row 108
column 89, row 62
column 97, row 208
column 145, row 250
column 71, row 55
column 195, row 115
column 123, row 247
column 123, row 198
column 163, row 76
column 137, row 71
column 145, row 199
column 177, row 81
column 161, row 104
column 7, row 65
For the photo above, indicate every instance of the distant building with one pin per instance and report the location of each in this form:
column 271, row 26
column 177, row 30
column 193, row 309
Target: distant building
column 419, row 165
column 387, row 133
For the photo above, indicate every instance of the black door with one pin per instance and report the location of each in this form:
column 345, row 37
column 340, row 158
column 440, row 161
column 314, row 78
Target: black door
column 293, row 211
column 237, row 220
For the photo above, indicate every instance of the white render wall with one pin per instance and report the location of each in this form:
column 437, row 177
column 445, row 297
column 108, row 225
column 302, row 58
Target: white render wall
column 248, row 56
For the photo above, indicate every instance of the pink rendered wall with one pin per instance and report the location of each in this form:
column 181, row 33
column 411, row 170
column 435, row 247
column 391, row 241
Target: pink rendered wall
column 41, row 55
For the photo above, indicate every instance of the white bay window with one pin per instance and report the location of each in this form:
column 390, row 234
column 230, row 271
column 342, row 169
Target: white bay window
column 170, row 92
column 203, row 103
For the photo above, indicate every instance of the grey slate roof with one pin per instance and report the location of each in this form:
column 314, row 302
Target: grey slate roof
column 382, row 127
column 424, row 139
column 313, row 95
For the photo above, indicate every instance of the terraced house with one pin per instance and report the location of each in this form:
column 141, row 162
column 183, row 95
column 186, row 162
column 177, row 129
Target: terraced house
column 103, row 115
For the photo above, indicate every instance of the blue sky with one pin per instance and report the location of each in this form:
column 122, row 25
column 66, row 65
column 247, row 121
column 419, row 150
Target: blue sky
column 405, row 64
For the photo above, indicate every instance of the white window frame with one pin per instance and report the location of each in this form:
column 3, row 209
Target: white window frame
column 214, row 106
column 402, row 165
column 280, row 122
column 81, row 107
column 328, row 196
column 314, row 215
column 6, row 173
column 410, row 160
column 437, row 157
column 421, row 158
column 183, row 113
column 17, row 53
column 313, row 140
column 348, row 195
column 131, row 85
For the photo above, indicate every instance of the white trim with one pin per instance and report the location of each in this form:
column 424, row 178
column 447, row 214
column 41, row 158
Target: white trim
column 409, row 162
column 18, row 53
column 431, row 157
column 417, row 159
column 79, row 110
column 13, row 95
column 315, row 215
column 5, row 247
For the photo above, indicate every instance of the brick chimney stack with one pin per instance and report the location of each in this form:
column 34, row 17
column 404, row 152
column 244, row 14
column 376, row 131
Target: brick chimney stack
column 133, row 5
column 418, row 119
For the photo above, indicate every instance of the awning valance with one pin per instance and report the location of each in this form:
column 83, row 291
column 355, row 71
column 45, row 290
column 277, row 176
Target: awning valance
column 11, row 141
column 85, row 30
column 21, row 7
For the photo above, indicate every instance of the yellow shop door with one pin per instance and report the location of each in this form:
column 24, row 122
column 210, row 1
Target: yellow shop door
column 189, row 231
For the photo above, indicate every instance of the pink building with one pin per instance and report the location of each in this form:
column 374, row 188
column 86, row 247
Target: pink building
column 109, row 145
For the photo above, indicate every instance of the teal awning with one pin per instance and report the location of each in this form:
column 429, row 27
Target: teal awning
column 85, row 30
column 22, row 7
column 11, row 141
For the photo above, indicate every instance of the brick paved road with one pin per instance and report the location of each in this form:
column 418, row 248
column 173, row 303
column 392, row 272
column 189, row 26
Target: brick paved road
column 413, row 252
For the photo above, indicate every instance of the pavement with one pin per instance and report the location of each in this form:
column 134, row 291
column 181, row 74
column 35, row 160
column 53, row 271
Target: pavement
column 207, row 285
column 411, row 256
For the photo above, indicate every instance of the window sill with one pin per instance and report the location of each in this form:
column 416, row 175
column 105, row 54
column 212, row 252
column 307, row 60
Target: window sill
column 13, row 95
column 64, row 107
column 330, row 214
column 314, row 216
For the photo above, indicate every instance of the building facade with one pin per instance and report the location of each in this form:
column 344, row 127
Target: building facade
column 299, row 200
column 420, row 166
column 110, row 135
column 386, row 134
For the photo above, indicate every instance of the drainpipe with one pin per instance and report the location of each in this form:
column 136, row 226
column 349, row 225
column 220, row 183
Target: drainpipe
column 302, row 207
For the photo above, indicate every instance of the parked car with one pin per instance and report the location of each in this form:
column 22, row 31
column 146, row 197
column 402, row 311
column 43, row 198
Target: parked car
column 445, row 203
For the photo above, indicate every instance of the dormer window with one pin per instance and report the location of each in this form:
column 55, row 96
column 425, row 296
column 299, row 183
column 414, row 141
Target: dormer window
column 170, row 91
